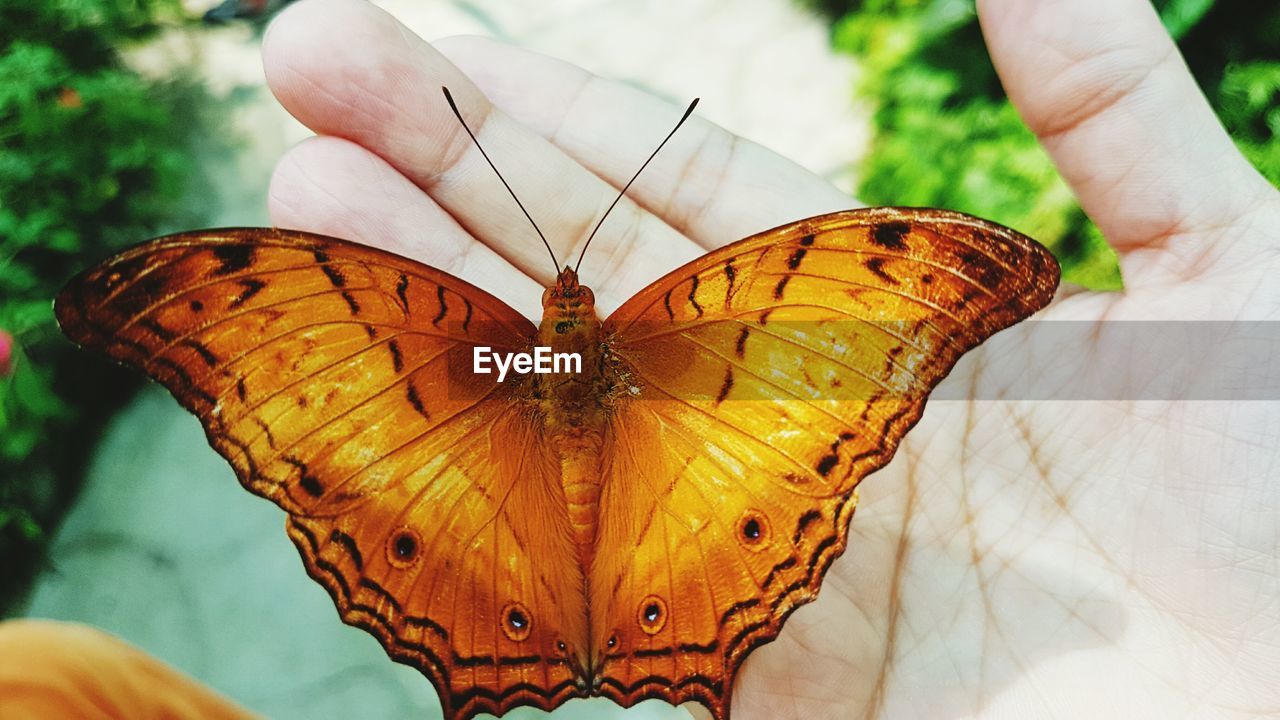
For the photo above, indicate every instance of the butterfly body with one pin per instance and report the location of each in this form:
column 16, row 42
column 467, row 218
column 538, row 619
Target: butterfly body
column 633, row 530
column 573, row 407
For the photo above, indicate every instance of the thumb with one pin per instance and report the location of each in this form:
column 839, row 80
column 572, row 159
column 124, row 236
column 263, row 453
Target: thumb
column 1103, row 86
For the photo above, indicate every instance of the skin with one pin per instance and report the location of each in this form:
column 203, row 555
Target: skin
column 1017, row 559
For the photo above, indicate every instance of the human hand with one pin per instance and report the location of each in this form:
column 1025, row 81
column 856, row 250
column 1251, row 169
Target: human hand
column 1046, row 559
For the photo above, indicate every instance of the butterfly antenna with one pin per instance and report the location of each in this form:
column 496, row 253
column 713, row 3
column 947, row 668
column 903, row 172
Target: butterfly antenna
column 684, row 117
column 555, row 265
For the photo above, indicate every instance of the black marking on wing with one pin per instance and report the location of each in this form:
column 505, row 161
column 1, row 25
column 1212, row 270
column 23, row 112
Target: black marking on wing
column 232, row 258
column 693, row 288
column 518, row 660
column 397, row 360
column 793, row 262
column 693, row 679
column 402, row 292
column 969, row 296
column 782, row 284
column 370, row 619
column 143, row 352
column 813, row 558
column 202, row 350
column 251, row 287
column 411, row 393
column 804, row 522
column 773, row 572
column 740, row 348
column 382, row 593
column 428, row 623
column 468, row 661
column 727, row 386
column 461, row 699
column 184, row 379
column 696, row 648
column 988, row 271
column 309, row 483
column 335, row 275
column 891, row 235
column 266, row 431
column 444, row 308
column 828, row 462
column 748, row 630
column 804, row 582
column 736, row 608
column 466, row 320
column 348, row 543
column 876, row 266
column 351, row 302
column 884, row 431
column 158, row 330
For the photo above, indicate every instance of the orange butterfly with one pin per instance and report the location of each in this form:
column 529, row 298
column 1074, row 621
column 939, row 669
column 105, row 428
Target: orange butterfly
column 632, row 530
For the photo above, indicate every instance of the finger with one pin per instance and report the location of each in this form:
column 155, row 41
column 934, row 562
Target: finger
column 380, row 88
column 1105, row 89
column 707, row 183
column 335, row 187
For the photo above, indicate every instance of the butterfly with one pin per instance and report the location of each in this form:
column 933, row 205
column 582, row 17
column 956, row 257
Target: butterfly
column 630, row 528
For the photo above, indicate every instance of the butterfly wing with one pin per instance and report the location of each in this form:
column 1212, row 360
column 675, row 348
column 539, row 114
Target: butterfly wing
column 771, row 376
column 333, row 377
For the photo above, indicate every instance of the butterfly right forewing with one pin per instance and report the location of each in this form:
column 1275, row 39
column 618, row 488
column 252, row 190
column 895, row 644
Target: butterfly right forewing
column 419, row 496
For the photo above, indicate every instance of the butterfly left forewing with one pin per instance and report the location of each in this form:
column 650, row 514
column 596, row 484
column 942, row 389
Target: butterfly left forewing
column 419, row 495
column 768, row 378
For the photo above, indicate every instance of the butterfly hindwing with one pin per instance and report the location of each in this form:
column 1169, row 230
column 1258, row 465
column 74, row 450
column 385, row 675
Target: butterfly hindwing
column 417, row 494
column 768, row 378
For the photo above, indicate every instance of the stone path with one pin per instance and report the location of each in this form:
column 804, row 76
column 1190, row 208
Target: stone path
column 166, row 550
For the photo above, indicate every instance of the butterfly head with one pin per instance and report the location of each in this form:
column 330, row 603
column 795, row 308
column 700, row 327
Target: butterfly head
column 567, row 296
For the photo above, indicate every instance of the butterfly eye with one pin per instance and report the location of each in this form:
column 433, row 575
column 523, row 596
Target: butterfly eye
column 753, row 530
column 652, row 614
column 402, row 547
column 561, row 646
column 612, row 642
column 517, row 623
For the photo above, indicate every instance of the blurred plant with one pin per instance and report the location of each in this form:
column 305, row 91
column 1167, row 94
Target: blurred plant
column 252, row 10
column 92, row 156
column 946, row 135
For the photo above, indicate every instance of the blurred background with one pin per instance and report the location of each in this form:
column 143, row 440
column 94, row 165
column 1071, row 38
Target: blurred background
column 122, row 120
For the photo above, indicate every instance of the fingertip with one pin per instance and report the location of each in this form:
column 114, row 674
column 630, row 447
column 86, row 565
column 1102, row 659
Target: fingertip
column 329, row 62
column 302, row 26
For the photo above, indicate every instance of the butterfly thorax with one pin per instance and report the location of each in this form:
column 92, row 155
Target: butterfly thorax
column 574, row 405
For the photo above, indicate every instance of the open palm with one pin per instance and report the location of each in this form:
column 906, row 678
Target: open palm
column 1018, row 558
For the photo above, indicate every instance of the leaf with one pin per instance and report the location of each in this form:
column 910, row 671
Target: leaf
column 1179, row 16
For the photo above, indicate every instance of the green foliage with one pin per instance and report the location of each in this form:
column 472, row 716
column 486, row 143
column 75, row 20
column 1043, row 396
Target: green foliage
column 1234, row 51
column 946, row 135
column 92, row 156
column 1249, row 103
